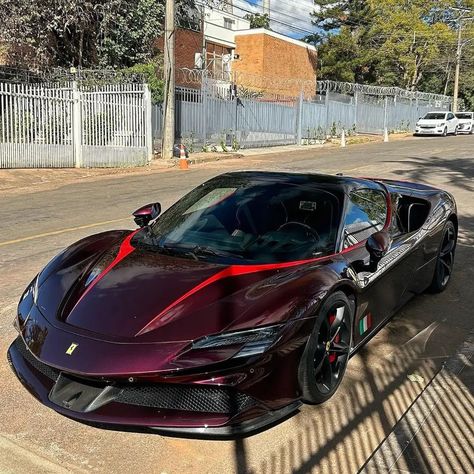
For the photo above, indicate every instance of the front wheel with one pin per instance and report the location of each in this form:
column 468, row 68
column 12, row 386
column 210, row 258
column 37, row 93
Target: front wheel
column 445, row 132
column 325, row 358
column 445, row 260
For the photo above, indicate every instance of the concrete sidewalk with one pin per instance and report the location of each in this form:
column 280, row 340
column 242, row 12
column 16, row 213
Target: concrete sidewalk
column 26, row 180
column 436, row 433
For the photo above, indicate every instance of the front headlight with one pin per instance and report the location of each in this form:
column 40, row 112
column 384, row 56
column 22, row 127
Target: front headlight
column 32, row 290
column 418, row 125
column 28, row 299
column 441, row 124
column 254, row 341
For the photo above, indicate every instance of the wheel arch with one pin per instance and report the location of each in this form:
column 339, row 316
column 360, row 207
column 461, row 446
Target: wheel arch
column 454, row 219
column 351, row 293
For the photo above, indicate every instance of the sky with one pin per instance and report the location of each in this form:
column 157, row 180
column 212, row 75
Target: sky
column 291, row 17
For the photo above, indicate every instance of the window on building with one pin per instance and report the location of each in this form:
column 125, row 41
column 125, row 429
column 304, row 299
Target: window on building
column 366, row 214
column 229, row 23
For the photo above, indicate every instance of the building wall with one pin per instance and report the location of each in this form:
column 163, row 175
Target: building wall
column 275, row 59
column 187, row 44
column 216, row 29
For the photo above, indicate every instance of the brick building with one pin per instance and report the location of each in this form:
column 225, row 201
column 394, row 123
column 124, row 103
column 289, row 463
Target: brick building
column 257, row 59
column 272, row 57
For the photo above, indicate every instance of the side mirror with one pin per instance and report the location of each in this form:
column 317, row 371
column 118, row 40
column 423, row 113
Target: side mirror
column 378, row 245
column 146, row 214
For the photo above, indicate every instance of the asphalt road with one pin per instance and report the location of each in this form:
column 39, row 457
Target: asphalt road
column 339, row 436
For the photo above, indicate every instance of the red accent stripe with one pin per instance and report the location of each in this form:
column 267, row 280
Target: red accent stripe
column 124, row 250
column 232, row 271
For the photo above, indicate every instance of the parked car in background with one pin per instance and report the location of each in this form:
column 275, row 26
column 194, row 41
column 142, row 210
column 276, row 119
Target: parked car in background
column 437, row 123
column 466, row 122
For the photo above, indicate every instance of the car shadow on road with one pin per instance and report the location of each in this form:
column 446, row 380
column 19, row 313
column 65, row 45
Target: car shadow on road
column 457, row 172
column 343, row 434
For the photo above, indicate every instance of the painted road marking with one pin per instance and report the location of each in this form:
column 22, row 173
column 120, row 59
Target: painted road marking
column 61, row 231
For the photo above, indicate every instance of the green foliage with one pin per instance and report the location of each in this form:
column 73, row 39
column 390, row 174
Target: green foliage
column 388, row 42
column 258, row 20
column 84, row 33
column 151, row 73
column 235, row 143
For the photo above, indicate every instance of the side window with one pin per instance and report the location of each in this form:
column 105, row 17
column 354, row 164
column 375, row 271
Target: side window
column 450, row 116
column 366, row 214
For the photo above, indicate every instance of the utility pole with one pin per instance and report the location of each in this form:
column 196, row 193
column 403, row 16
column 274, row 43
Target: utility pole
column 167, row 142
column 266, row 7
column 458, row 68
column 460, row 45
column 203, row 44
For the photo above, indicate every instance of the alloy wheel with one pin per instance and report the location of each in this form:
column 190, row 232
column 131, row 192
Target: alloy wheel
column 332, row 350
column 446, row 256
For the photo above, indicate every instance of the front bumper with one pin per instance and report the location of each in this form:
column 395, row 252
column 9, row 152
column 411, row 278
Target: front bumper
column 429, row 131
column 465, row 128
column 198, row 410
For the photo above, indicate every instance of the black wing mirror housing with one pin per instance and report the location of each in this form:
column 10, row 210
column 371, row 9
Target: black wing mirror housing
column 378, row 244
column 146, row 214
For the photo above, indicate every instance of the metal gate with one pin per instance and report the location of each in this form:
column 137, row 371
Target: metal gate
column 46, row 126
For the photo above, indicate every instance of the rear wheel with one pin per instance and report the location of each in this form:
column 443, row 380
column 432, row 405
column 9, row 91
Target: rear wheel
column 445, row 260
column 325, row 358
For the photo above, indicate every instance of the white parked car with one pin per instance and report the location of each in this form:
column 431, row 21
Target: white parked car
column 466, row 122
column 437, row 123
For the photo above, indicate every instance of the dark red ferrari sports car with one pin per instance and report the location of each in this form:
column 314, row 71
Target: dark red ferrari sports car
column 243, row 300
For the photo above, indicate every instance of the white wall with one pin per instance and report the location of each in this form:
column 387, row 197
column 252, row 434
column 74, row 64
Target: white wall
column 214, row 28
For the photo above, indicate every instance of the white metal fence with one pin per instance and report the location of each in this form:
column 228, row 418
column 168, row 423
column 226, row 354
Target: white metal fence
column 205, row 118
column 45, row 125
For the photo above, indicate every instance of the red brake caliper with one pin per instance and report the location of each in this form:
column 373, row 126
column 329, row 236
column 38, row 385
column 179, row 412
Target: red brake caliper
column 332, row 355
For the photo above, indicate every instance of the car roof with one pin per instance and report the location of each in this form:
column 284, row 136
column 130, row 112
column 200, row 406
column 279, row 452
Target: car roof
column 324, row 181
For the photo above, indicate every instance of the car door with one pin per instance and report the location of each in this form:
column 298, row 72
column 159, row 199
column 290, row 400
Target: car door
column 380, row 290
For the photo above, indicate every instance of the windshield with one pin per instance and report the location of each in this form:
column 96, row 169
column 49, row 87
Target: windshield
column 464, row 115
column 242, row 220
column 434, row 116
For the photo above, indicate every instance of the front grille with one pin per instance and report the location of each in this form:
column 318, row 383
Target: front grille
column 193, row 398
column 46, row 370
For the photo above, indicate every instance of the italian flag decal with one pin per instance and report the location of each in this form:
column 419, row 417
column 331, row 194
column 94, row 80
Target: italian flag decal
column 365, row 323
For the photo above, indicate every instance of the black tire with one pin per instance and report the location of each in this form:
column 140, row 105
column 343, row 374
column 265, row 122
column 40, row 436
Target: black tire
column 456, row 131
column 445, row 259
column 321, row 369
column 445, row 132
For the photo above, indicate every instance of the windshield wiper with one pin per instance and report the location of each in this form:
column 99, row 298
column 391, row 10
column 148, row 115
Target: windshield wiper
column 201, row 250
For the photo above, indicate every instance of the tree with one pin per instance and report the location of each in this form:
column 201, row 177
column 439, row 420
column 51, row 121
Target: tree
column 84, row 33
column 388, row 42
column 407, row 39
column 258, row 20
column 330, row 16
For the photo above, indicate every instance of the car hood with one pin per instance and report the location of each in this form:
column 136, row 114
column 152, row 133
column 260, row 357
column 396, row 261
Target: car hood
column 430, row 122
column 126, row 294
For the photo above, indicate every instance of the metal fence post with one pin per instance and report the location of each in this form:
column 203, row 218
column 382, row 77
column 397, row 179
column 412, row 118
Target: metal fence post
column 76, row 125
column 299, row 119
column 326, row 103
column 356, row 105
column 385, row 117
column 148, row 124
column 204, row 110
